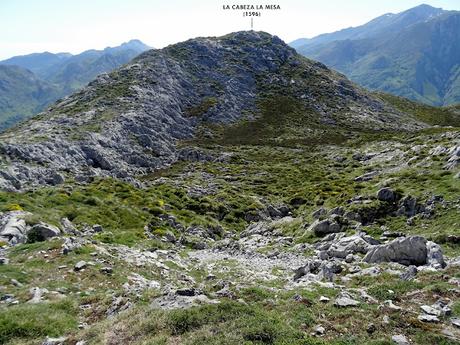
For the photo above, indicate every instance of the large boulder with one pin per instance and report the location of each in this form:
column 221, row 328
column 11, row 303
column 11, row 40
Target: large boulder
column 323, row 227
column 407, row 251
column 41, row 232
column 13, row 227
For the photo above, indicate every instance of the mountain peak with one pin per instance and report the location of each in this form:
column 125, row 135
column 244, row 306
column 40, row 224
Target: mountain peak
column 131, row 120
column 423, row 10
column 135, row 44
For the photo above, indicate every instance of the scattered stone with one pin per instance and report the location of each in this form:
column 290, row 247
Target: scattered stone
column 16, row 283
column 188, row 292
column 319, row 213
column 72, row 243
column 400, row 339
column 80, row 265
column 443, row 308
column 319, row 330
column 455, row 322
column 389, row 303
column 371, row 328
column 430, row 310
column 434, row 255
column 428, row 318
column 410, row 273
column 324, row 299
column 97, row 228
column 106, row 270
column 386, row 320
column 54, row 341
column 37, row 294
column 344, row 300
column 367, row 176
column 68, row 227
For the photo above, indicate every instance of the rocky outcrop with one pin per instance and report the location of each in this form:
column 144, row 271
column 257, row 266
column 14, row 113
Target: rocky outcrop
column 15, row 230
column 407, row 251
column 13, row 227
column 42, row 232
column 348, row 245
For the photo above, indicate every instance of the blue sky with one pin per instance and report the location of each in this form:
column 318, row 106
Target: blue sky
column 28, row 26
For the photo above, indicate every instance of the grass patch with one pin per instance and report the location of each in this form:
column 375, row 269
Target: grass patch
column 31, row 321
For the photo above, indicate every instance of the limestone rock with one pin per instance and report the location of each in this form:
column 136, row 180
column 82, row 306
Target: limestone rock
column 344, row 300
column 348, row 245
column 407, row 251
column 428, row 318
column 400, row 339
column 13, row 227
column 324, row 227
column 435, row 257
column 42, row 232
column 80, row 265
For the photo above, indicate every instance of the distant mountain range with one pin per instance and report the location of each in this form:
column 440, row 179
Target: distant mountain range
column 29, row 83
column 414, row 54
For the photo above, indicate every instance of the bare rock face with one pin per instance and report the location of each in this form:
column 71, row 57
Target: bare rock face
column 407, row 251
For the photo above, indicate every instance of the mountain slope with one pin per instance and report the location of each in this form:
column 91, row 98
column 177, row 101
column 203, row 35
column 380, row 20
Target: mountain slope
column 414, row 56
column 129, row 122
column 22, row 93
column 38, row 63
column 63, row 74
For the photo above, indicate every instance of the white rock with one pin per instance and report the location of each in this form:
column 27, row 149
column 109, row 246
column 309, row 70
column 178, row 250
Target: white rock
column 428, row 318
column 455, row 321
column 345, row 301
column 400, row 339
column 430, row 310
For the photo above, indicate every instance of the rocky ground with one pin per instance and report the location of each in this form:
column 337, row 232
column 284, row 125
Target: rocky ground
column 355, row 243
